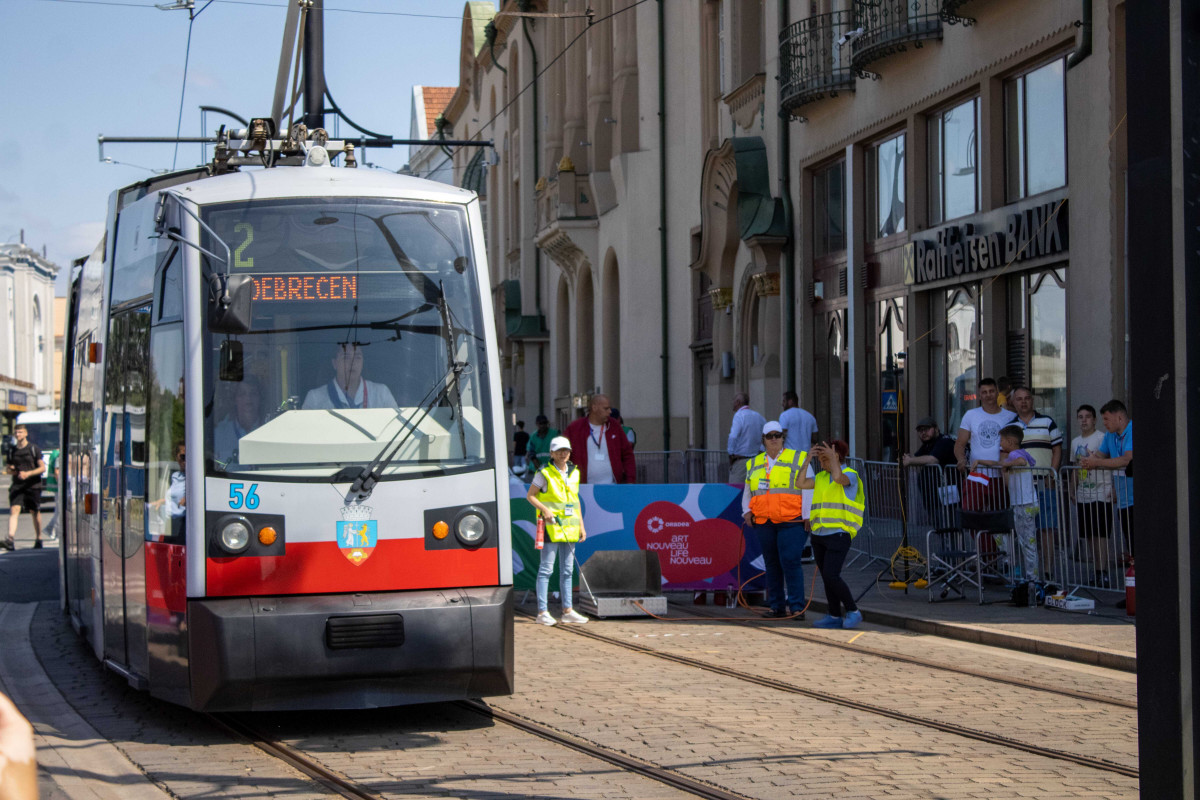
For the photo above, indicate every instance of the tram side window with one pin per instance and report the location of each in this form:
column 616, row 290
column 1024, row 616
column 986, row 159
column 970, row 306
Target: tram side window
column 166, row 464
column 169, row 297
column 137, row 253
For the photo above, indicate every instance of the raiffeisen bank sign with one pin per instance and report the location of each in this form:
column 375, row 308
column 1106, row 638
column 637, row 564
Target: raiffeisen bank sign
column 1009, row 235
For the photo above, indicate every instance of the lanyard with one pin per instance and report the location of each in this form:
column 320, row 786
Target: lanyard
column 597, row 438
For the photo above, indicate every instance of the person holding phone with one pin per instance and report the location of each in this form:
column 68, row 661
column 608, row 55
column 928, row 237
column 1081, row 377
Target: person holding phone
column 836, row 515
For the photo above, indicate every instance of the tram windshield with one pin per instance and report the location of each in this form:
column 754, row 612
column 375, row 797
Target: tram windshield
column 366, row 333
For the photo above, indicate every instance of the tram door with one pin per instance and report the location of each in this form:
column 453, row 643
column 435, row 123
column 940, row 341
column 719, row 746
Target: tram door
column 123, row 489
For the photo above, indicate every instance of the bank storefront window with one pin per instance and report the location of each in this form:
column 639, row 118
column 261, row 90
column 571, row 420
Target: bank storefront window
column 954, row 162
column 1041, row 342
column 963, row 323
column 1035, row 122
column 829, row 209
column 885, row 183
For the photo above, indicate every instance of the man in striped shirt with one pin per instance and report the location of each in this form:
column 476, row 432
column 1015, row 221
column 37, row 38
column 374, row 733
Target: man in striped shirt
column 1043, row 440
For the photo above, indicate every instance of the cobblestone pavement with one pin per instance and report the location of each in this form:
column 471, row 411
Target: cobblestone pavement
column 749, row 739
column 963, row 655
column 767, row 743
column 431, row 751
column 1076, row 726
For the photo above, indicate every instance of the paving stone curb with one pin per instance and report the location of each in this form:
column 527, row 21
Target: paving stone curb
column 82, row 764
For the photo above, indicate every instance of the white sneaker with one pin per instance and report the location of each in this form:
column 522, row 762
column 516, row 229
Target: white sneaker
column 544, row 618
column 573, row 616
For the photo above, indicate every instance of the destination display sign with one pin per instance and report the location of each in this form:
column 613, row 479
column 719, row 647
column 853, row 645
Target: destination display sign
column 304, row 287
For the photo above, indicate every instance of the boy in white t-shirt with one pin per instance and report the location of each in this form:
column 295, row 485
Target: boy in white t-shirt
column 979, row 435
column 1092, row 492
column 1022, row 495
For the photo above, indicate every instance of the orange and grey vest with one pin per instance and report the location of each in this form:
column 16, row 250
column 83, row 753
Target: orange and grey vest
column 773, row 493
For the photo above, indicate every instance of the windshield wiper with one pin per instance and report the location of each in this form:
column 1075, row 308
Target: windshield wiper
column 364, row 482
column 370, row 475
column 448, row 335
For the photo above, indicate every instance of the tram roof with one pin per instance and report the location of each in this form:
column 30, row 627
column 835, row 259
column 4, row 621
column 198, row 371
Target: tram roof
column 287, row 182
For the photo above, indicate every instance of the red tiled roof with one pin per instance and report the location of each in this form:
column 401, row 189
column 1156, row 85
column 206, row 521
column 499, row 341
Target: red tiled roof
column 436, row 99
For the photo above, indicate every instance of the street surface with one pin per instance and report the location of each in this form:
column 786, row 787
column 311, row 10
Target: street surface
column 748, row 739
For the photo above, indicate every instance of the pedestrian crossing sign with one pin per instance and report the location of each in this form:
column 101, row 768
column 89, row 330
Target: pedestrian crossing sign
column 891, row 402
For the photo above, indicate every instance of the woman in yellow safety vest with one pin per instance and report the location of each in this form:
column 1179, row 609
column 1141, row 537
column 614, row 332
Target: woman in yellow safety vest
column 836, row 515
column 773, row 504
column 555, row 494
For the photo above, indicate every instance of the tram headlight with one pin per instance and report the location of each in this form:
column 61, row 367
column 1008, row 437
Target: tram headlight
column 235, row 535
column 470, row 529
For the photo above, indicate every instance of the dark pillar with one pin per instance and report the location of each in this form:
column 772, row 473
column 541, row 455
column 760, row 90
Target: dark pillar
column 314, row 66
column 1164, row 302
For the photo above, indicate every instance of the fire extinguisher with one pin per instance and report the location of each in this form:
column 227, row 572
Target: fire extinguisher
column 540, row 541
column 1130, row 591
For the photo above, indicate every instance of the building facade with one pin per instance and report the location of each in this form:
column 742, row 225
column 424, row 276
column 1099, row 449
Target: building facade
column 873, row 202
column 428, row 161
column 27, row 331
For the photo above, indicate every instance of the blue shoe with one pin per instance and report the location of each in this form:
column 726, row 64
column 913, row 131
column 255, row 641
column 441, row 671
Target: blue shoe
column 828, row 622
column 853, row 619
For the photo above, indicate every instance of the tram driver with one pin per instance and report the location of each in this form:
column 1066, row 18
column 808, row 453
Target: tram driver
column 349, row 389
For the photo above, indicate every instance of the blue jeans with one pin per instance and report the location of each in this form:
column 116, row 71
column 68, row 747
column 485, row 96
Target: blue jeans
column 565, row 568
column 782, row 546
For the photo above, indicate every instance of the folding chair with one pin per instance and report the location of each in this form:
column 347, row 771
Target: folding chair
column 957, row 556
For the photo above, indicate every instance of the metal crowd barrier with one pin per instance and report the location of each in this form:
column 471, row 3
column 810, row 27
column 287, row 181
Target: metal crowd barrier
column 1080, row 532
column 707, row 466
column 660, row 466
column 1082, row 536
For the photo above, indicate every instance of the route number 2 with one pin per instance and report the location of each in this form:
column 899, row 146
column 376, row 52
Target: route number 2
column 238, row 259
column 239, row 498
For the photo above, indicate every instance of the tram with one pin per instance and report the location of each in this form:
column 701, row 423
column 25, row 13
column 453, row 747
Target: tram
column 284, row 481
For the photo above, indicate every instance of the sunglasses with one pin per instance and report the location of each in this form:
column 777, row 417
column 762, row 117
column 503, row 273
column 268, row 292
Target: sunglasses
column 773, row 436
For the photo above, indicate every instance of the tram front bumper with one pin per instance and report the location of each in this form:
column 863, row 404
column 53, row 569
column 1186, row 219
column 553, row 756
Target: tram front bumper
column 382, row 649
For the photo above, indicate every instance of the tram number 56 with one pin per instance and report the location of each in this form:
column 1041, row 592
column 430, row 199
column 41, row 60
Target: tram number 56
column 239, row 497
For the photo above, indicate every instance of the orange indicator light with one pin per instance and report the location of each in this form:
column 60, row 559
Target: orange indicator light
column 440, row 530
column 267, row 536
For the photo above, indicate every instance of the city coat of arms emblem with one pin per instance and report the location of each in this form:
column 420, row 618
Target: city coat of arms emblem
column 357, row 534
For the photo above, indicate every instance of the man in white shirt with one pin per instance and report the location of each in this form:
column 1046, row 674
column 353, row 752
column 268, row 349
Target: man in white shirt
column 799, row 426
column 979, row 433
column 745, row 437
column 349, row 389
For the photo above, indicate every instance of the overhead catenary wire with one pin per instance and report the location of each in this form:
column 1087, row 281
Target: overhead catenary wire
column 187, row 54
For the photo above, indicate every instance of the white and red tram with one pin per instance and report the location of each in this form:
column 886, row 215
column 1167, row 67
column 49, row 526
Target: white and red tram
column 285, row 482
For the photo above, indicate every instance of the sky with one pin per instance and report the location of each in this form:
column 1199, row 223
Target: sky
column 75, row 69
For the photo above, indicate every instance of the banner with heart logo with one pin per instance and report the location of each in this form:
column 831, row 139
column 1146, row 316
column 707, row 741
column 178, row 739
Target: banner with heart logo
column 688, row 549
column 695, row 529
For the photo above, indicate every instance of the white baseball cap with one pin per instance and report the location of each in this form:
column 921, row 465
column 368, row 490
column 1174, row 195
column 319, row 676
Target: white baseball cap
column 772, row 427
column 560, row 443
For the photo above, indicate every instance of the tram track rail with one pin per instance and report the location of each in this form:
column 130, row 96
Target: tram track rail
column 332, row 780
column 343, row 786
column 804, row 636
column 858, row 705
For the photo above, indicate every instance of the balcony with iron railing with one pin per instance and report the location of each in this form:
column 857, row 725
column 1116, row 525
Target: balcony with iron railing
column 814, row 59
column 890, row 26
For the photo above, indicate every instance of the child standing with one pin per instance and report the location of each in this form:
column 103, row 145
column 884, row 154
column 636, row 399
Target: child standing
column 1022, row 495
